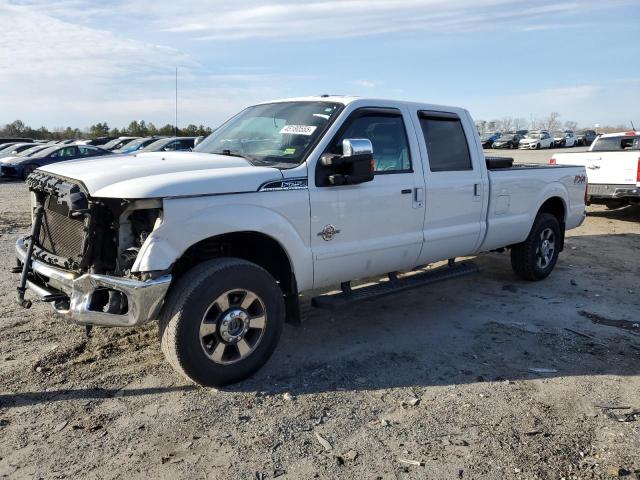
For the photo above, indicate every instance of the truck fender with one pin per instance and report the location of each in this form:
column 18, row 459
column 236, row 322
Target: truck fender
column 168, row 242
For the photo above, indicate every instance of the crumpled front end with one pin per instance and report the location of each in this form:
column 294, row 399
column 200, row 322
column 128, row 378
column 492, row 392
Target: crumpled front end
column 80, row 253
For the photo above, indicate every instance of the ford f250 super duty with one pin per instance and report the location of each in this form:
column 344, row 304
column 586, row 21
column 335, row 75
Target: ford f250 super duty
column 613, row 168
column 285, row 197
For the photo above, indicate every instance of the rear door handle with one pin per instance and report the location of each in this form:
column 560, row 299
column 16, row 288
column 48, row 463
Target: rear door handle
column 406, row 191
column 475, row 190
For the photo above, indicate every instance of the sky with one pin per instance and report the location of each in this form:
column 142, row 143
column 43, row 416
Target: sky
column 79, row 62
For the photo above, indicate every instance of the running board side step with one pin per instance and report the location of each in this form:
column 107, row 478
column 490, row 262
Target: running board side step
column 348, row 296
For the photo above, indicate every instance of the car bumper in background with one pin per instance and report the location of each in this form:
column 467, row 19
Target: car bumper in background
column 144, row 298
column 11, row 171
column 606, row 191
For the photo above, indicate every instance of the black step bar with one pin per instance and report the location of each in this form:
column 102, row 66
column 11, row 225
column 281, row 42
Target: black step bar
column 352, row 295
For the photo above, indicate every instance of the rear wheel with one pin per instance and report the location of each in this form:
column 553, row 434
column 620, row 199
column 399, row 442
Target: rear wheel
column 222, row 321
column 535, row 258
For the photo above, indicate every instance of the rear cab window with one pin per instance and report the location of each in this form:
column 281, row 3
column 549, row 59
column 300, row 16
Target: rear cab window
column 615, row 144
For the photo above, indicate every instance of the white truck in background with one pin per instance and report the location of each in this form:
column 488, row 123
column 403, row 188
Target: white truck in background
column 613, row 168
column 285, row 197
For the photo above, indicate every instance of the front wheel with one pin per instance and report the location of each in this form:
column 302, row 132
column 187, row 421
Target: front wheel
column 537, row 146
column 535, row 258
column 222, row 321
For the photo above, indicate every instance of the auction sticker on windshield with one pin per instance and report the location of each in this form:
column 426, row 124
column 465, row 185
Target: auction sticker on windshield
column 298, row 129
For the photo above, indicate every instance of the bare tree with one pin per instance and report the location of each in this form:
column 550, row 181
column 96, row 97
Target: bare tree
column 481, row 125
column 571, row 125
column 520, row 123
column 506, row 124
column 552, row 122
column 492, row 125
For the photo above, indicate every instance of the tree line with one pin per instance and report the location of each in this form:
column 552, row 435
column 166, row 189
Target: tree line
column 551, row 122
column 136, row 128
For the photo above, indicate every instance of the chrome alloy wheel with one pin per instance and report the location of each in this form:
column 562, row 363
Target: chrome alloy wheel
column 233, row 326
column 546, row 248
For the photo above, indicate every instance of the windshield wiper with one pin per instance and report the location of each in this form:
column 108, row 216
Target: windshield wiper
column 231, row 153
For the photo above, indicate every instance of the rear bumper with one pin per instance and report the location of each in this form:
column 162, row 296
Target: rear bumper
column 606, row 191
column 144, row 298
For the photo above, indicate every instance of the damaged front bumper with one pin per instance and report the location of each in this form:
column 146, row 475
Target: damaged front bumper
column 72, row 295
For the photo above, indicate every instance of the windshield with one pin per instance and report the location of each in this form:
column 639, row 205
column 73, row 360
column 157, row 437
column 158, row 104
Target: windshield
column 156, row 145
column 117, row 142
column 506, row 137
column 30, row 151
column 274, row 133
column 137, row 144
column 45, row 152
column 534, row 135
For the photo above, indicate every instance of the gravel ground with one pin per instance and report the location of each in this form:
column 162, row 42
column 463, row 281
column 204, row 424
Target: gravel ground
column 482, row 377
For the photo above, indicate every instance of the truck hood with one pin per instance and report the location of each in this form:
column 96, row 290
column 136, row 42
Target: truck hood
column 164, row 174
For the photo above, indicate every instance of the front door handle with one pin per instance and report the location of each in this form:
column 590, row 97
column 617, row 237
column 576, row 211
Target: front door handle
column 406, row 191
column 475, row 190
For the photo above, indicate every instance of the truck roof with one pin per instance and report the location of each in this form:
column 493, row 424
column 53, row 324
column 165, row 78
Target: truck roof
column 348, row 99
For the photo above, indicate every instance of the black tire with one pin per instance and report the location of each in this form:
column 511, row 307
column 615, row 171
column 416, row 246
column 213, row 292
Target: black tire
column 191, row 299
column 538, row 146
column 525, row 256
column 28, row 169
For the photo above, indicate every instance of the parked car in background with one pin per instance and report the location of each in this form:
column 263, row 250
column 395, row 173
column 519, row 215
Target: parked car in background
column 137, row 144
column 15, row 140
column 586, row 137
column 25, row 153
column 507, row 140
column 15, row 149
column 5, row 147
column 564, row 139
column 118, row 143
column 536, row 139
column 21, row 167
column 172, row 144
column 522, row 133
column 97, row 142
column 488, row 138
column 613, row 168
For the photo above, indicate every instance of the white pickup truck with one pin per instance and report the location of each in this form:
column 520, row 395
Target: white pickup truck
column 285, row 197
column 613, row 168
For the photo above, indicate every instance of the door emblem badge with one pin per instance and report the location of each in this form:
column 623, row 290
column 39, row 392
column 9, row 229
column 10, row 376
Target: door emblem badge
column 328, row 232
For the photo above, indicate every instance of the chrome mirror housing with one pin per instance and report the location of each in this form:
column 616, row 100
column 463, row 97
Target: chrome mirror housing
column 352, row 147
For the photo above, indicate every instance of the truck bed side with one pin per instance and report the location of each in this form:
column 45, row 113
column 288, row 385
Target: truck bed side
column 517, row 193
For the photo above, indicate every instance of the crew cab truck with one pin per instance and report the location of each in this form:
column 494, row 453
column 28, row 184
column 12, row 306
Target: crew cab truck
column 285, row 197
column 613, row 168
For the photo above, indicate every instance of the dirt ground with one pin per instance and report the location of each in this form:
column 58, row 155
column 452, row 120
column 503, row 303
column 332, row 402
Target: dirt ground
column 482, row 377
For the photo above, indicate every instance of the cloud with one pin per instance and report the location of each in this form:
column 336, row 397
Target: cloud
column 50, row 66
column 364, row 83
column 321, row 19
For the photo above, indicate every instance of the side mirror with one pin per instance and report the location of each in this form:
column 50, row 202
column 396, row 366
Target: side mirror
column 355, row 165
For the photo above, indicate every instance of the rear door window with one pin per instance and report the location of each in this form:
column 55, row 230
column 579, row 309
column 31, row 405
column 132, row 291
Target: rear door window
column 446, row 142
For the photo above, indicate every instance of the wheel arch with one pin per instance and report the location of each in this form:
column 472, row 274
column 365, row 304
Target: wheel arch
column 252, row 246
column 556, row 206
